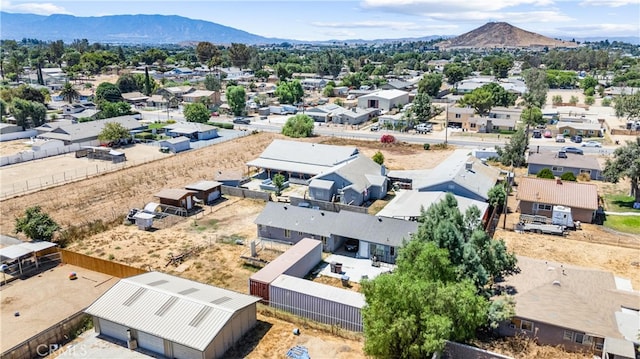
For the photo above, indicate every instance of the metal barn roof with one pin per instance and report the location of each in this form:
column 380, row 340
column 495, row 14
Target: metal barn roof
column 319, row 290
column 173, row 308
column 286, row 260
column 203, row 185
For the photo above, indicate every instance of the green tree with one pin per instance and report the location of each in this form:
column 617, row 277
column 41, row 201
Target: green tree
column 513, row 152
column 537, row 87
column 430, row 84
column 606, row 102
column 378, row 158
column 298, row 126
column 573, row 100
column 589, row 100
column 289, row 92
column 454, row 73
column 239, row 54
column 625, row 163
column 556, row 100
column 568, row 176
column 421, row 108
column 196, row 112
column 148, row 88
column 212, row 83
column 480, row 99
column 328, row 91
column 28, row 114
column 545, row 173
column 278, row 181
column 497, row 195
column 127, row 83
column 589, row 82
column 237, row 99
column 531, row 116
column 108, row 92
column 412, row 312
column 114, row 109
column 500, row 67
column 69, row 93
column 113, row 132
column 628, row 106
column 501, row 97
column 205, row 51
column 36, row 224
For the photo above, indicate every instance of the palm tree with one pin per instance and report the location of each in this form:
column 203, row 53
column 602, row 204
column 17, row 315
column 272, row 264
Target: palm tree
column 69, row 93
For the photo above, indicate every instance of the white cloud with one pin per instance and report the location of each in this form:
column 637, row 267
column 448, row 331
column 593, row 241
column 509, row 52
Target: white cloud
column 545, row 16
column 393, row 25
column 609, row 3
column 601, row 29
column 33, row 8
column 448, row 6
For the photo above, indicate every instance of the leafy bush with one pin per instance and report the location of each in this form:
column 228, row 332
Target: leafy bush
column 506, row 132
column 144, row 135
column 298, row 126
column 440, row 146
column 378, row 158
column 374, row 120
column 171, row 121
column 589, row 100
column 568, row 176
column 387, row 139
column 584, row 177
column 225, row 125
column 573, row 100
column 606, row 102
column 426, row 146
column 545, row 173
column 556, row 100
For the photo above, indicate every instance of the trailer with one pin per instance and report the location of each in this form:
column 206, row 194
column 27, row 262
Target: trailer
column 541, row 228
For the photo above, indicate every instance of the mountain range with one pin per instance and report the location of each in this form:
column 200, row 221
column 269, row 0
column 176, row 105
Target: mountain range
column 172, row 29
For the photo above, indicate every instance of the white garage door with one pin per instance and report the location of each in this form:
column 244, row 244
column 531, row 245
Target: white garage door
column 213, row 196
column 182, row 352
column 113, row 330
column 150, row 342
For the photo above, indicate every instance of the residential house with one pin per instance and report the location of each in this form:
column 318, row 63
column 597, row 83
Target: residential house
column 384, row 100
column 236, row 73
column 579, row 309
column 85, row 132
column 438, row 65
column 180, row 72
column 395, row 121
column 585, row 129
column 176, row 91
column 313, row 84
column 354, row 182
column 76, row 111
column 340, row 91
column 157, row 101
column 340, row 115
column 377, row 236
column 574, row 163
column 620, row 90
column 459, row 117
column 468, row 85
column 300, row 161
column 210, row 98
column 499, row 112
column 173, row 317
column 193, row 130
column 176, row 144
column 460, row 174
column 490, row 125
column 537, row 196
column 135, row 98
column 396, row 84
column 408, row 204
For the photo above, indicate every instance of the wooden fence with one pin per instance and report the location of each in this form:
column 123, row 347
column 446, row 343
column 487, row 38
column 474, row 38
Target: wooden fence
column 617, row 131
column 328, row 206
column 245, row 193
column 99, row 265
column 48, row 340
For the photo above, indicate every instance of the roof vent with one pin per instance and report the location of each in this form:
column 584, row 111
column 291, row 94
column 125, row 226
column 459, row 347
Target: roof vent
column 285, row 208
column 468, row 166
column 379, row 219
column 322, row 214
column 556, row 283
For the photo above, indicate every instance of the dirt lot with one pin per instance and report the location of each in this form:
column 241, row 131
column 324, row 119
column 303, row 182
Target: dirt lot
column 211, row 236
column 40, row 304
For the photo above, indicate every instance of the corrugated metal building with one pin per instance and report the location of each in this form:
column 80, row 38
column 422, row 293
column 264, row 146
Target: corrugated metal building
column 320, row 302
column 297, row 262
column 207, row 191
column 172, row 316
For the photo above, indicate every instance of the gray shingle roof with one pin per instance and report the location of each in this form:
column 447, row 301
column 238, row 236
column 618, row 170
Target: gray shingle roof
column 361, row 173
column 91, row 129
column 409, row 204
column 319, row 290
column 572, row 160
column 361, row 226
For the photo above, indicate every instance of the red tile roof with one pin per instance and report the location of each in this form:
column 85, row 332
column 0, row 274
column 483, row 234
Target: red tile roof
column 558, row 192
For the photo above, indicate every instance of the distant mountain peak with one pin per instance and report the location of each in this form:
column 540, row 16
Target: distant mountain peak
column 502, row 35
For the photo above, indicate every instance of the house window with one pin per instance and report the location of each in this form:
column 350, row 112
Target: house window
column 392, row 251
column 578, row 338
column 260, row 227
column 324, row 240
column 588, row 340
column 556, row 169
column 287, row 233
column 473, row 125
column 599, row 345
column 568, row 335
column 526, row 325
column 585, row 171
column 458, row 115
column 508, row 116
column 542, row 207
column 300, row 233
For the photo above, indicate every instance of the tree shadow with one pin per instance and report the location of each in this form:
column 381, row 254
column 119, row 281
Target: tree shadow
column 249, row 341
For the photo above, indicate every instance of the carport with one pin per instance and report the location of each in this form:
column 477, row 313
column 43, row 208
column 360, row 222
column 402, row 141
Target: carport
column 21, row 252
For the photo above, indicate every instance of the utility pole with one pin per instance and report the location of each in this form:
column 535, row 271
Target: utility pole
column 446, row 121
column 506, row 195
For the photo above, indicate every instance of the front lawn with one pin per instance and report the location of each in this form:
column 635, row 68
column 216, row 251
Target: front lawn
column 627, row 224
column 619, row 203
column 157, row 125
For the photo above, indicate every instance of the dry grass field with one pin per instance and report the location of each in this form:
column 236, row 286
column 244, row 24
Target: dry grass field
column 211, row 236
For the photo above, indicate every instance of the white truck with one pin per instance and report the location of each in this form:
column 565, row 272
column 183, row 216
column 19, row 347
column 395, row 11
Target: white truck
column 561, row 220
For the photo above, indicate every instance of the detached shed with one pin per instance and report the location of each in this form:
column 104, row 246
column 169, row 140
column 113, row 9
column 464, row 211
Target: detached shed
column 206, row 191
column 320, row 302
column 176, row 197
column 173, row 317
column 297, row 262
column 144, row 220
column 176, row 144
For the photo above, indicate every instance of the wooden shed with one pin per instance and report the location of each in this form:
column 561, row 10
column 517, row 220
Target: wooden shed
column 206, row 191
column 176, row 197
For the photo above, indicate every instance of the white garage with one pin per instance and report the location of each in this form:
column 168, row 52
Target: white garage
column 172, row 316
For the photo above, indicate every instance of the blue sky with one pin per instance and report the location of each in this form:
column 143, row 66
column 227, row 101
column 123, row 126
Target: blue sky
column 371, row 19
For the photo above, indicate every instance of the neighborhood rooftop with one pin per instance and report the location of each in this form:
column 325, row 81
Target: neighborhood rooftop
column 409, row 204
column 174, row 308
column 173, row 193
column 79, row 131
column 565, row 193
column 572, row 160
column 319, row 290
